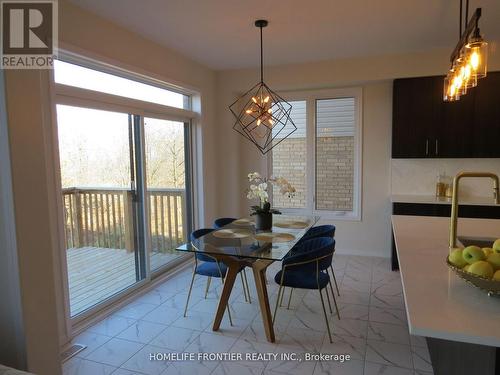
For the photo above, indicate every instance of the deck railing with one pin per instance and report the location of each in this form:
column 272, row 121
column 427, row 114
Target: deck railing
column 102, row 217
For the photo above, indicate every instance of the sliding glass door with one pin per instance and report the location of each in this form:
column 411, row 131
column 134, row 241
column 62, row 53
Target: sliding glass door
column 125, row 183
column 124, row 153
column 167, row 169
column 98, row 175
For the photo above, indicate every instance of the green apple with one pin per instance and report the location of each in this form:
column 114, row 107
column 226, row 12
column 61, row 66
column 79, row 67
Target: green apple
column 494, row 260
column 496, row 246
column 487, row 251
column 473, row 254
column 496, row 276
column 466, row 268
column 456, row 258
column 481, row 268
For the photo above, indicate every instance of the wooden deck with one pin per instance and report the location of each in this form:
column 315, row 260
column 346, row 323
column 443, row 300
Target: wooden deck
column 96, row 273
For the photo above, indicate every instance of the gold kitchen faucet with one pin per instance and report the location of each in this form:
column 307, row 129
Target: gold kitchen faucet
column 454, row 204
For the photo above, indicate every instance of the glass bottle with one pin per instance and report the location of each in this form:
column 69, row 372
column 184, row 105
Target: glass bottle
column 440, row 186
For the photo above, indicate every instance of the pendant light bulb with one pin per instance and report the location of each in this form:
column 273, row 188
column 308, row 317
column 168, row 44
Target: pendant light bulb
column 478, row 55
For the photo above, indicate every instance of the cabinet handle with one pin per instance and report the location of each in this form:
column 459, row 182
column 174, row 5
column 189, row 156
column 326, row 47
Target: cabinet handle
column 426, row 147
column 437, row 147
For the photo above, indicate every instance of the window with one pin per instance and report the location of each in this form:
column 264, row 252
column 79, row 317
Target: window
column 322, row 159
column 335, row 128
column 90, row 79
column 125, row 161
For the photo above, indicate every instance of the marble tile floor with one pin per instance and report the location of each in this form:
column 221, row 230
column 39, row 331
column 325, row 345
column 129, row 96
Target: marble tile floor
column 372, row 330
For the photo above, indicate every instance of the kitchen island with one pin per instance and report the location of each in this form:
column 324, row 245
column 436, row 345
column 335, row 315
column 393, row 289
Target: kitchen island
column 460, row 322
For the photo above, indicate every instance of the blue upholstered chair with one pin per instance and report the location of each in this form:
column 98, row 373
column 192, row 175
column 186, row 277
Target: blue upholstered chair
column 223, row 221
column 323, row 231
column 319, row 231
column 207, row 265
column 307, row 268
column 315, row 232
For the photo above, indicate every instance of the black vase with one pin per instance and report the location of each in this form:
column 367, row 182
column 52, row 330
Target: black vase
column 264, row 221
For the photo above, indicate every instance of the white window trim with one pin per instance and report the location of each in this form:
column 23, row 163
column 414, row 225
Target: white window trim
column 310, row 96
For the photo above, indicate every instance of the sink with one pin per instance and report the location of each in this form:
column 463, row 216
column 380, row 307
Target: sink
column 477, row 241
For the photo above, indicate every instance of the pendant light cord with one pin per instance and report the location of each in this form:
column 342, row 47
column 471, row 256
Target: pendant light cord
column 460, row 21
column 261, row 58
column 465, row 21
column 466, row 14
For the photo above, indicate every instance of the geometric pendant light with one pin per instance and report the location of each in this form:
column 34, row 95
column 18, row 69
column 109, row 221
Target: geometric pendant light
column 262, row 116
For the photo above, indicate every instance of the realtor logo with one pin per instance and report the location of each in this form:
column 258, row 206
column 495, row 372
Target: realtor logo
column 29, row 34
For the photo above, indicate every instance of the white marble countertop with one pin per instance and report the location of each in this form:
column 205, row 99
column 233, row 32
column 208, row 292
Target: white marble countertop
column 431, row 199
column 438, row 303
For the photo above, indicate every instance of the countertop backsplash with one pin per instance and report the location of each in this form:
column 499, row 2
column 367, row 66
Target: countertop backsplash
column 418, row 176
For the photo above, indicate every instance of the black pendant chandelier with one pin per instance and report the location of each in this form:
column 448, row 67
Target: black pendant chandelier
column 262, row 116
column 468, row 59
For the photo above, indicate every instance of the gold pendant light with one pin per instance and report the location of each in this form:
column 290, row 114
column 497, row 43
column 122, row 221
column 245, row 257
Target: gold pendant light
column 469, row 59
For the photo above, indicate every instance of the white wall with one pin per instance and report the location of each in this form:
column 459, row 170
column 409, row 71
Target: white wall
column 371, row 236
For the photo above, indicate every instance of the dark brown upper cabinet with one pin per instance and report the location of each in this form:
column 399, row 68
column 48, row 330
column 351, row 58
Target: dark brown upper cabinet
column 424, row 126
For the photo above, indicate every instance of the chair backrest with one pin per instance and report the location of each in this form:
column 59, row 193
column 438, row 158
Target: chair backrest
column 320, row 231
column 319, row 247
column 197, row 234
column 223, row 221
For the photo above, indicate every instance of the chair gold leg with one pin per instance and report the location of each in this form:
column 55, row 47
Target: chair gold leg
column 246, row 283
column 326, row 316
column 328, row 299
column 277, row 302
column 289, row 299
column 281, row 300
column 189, row 293
column 335, row 281
column 336, row 306
column 333, row 295
column 331, row 288
column 329, row 281
column 244, row 288
column 209, row 279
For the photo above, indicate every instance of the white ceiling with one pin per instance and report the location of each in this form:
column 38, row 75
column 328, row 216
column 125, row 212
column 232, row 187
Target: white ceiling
column 221, row 34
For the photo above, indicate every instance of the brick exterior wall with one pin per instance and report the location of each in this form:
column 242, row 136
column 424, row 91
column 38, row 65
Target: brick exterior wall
column 334, row 173
column 289, row 161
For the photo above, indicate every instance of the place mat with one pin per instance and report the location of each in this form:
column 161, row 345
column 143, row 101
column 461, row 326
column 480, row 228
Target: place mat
column 243, row 222
column 274, row 237
column 292, row 224
column 232, row 233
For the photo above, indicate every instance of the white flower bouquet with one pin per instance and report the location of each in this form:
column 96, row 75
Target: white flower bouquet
column 258, row 190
